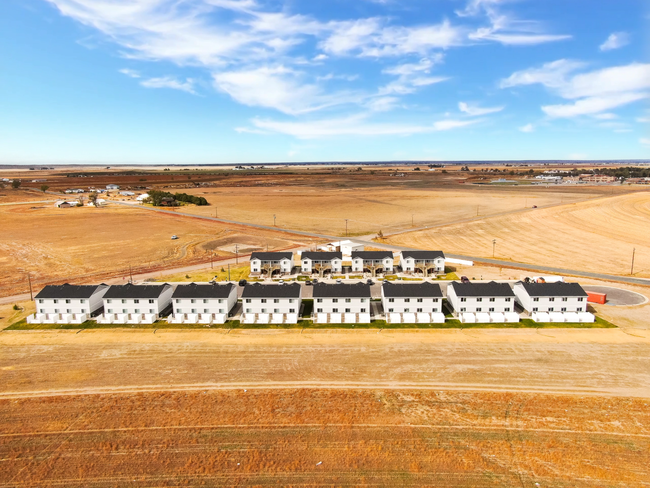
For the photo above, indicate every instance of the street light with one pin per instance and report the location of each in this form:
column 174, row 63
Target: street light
column 494, row 244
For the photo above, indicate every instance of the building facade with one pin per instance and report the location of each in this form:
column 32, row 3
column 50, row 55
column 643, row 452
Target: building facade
column 67, row 303
column 411, row 298
column 341, row 298
column 271, row 262
column 132, row 299
column 272, row 299
column 204, row 303
column 321, row 262
column 475, row 298
column 422, row 262
column 372, row 261
column 551, row 297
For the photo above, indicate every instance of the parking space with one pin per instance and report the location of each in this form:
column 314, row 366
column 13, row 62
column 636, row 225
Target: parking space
column 617, row 296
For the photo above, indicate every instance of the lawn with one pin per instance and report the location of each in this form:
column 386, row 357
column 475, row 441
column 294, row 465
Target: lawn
column 219, row 272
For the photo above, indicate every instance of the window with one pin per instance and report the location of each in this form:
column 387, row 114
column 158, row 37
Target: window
column 67, row 310
column 536, row 299
column 507, row 309
column 348, row 300
column 263, row 310
column 276, row 300
column 550, row 309
column 151, row 300
column 319, row 300
column 335, row 310
column 435, row 300
column 263, row 300
column 292, row 310
column 407, row 300
column 108, row 300
column 40, row 300
column 124, row 310
column 110, row 310
column 178, row 300
column 123, row 300
column 249, row 310
column 42, row 310
column 462, row 309
column 82, row 301
column 535, row 309
column 193, row 310
column 291, row 300
column 56, row 301
column 579, row 309
column 581, row 299
column 551, row 299
column 138, row 301
column 335, row 300
column 463, row 299
column 478, row 309
column 205, row 300
column 137, row 310
column 479, row 299
column 319, row 310
column 221, row 310
column 407, row 310
column 347, row 310
column 491, row 309
column 508, row 299
column 390, row 310
column 363, row 310
column 248, row 300
column 419, row 310
column 492, row 299
column 363, row 300
column 391, row 300
column 419, row 300
column 192, row 300
column 563, row 309
column 276, row 310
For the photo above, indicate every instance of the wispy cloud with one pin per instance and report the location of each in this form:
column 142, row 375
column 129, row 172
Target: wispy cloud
column 645, row 141
column 616, row 40
column 475, row 110
column 130, row 73
column 527, row 128
column 186, row 85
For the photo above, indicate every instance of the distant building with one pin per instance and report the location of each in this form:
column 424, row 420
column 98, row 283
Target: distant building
column 276, row 304
column 203, row 303
column 67, row 304
column 321, row 262
column 135, row 304
column 597, row 178
column 372, row 261
column 422, row 262
column 412, row 303
column 342, row 303
column 271, row 262
column 112, row 187
column 554, row 302
column 482, row 302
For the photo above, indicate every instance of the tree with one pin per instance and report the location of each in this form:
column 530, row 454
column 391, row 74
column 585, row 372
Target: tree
column 15, row 184
column 380, row 235
column 44, row 188
column 92, row 198
column 80, row 201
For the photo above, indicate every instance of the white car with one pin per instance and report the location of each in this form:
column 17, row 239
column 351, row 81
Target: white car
column 174, row 237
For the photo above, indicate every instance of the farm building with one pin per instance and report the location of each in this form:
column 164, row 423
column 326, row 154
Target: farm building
column 65, row 204
column 342, row 303
column 67, row 304
column 270, row 263
column 422, row 262
column 321, row 262
column 482, row 302
column 372, row 261
column 411, row 303
column 112, row 187
column 135, row 304
column 345, row 247
column 275, row 304
column 203, row 304
column 553, row 302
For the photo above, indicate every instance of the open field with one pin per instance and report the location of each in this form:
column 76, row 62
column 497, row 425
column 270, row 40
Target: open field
column 10, row 196
column 310, row 437
column 595, row 236
column 90, row 244
column 323, row 208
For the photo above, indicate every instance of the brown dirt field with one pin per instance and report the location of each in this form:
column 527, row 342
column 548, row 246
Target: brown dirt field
column 323, row 208
column 89, row 244
column 8, row 195
column 325, row 437
column 595, row 236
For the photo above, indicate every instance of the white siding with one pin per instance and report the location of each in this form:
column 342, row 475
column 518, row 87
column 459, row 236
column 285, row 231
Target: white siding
column 139, row 305
column 307, row 265
column 549, row 304
column 411, row 304
column 205, row 305
column 358, row 264
column 271, row 305
column 479, row 304
column 341, row 305
column 71, row 305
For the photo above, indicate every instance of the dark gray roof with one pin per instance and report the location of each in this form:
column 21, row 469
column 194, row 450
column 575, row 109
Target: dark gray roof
column 491, row 289
column 341, row 290
column 559, row 289
column 272, row 256
column 136, row 291
column 372, row 254
column 416, row 290
column 321, row 256
column 257, row 290
column 69, row 291
column 422, row 255
column 211, row 290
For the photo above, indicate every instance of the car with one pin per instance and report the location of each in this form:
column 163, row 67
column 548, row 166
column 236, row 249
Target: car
column 308, row 283
column 243, row 282
column 281, row 282
column 370, row 282
column 315, row 280
column 534, row 206
column 339, row 281
column 174, row 237
column 464, row 279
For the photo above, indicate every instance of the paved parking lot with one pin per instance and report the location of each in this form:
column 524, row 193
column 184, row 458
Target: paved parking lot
column 617, row 296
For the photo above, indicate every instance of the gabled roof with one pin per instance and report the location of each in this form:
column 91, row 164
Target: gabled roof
column 491, row 289
column 423, row 255
column 415, row 290
column 558, row 289
column 136, row 291
column 341, row 290
column 272, row 256
column 211, row 290
column 286, row 290
column 321, row 256
column 69, row 291
column 372, row 254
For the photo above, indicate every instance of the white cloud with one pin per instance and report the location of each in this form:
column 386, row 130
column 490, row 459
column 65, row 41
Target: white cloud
column 527, row 128
column 643, row 120
column 645, row 141
column 411, row 76
column 474, row 110
column 354, row 126
column 383, row 104
column 594, row 92
column 168, row 82
column 615, row 40
column 606, row 116
column 130, row 73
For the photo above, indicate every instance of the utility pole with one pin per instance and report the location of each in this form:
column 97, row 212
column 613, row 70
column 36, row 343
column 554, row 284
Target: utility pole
column 274, row 221
column 228, row 271
column 346, row 227
column 236, row 254
column 29, row 280
column 494, row 244
column 211, row 255
column 412, row 220
column 632, row 268
column 216, row 214
column 477, row 210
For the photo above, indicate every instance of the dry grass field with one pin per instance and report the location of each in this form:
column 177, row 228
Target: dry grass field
column 309, row 437
column 595, row 236
column 323, row 207
column 89, row 244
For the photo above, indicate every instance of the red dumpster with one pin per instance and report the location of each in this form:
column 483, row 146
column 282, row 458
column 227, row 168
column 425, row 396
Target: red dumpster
column 594, row 297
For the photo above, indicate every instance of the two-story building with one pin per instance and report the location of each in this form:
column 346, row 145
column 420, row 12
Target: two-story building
column 135, row 304
column 208, row 303
column 482, row 302
column 67, row 304
column 553, row 302
column 411, row 303
column 338, row 303
column 275, row 304
column 372, row 262
column 321, row 262
column 270, row 263
column 426, row 263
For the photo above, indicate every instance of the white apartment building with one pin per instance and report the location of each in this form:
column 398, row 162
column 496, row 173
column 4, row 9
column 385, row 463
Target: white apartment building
column 422, row 262
column 372, row 261
column 135, row 303
column 342, row 303
column 203, row 303
column 321, row 262
column 67, row 304
column 411, row 303
column 553, row 302
column 482, row 302
column 277, row 303
column 271, row 262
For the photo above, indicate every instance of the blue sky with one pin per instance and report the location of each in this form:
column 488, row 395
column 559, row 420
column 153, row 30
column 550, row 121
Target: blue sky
column 217, row 81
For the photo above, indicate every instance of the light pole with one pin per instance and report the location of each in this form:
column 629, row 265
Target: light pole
column 632, row 268
column 274, row 220
column 494, row 244
column 346, row 227
column 216, row 214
